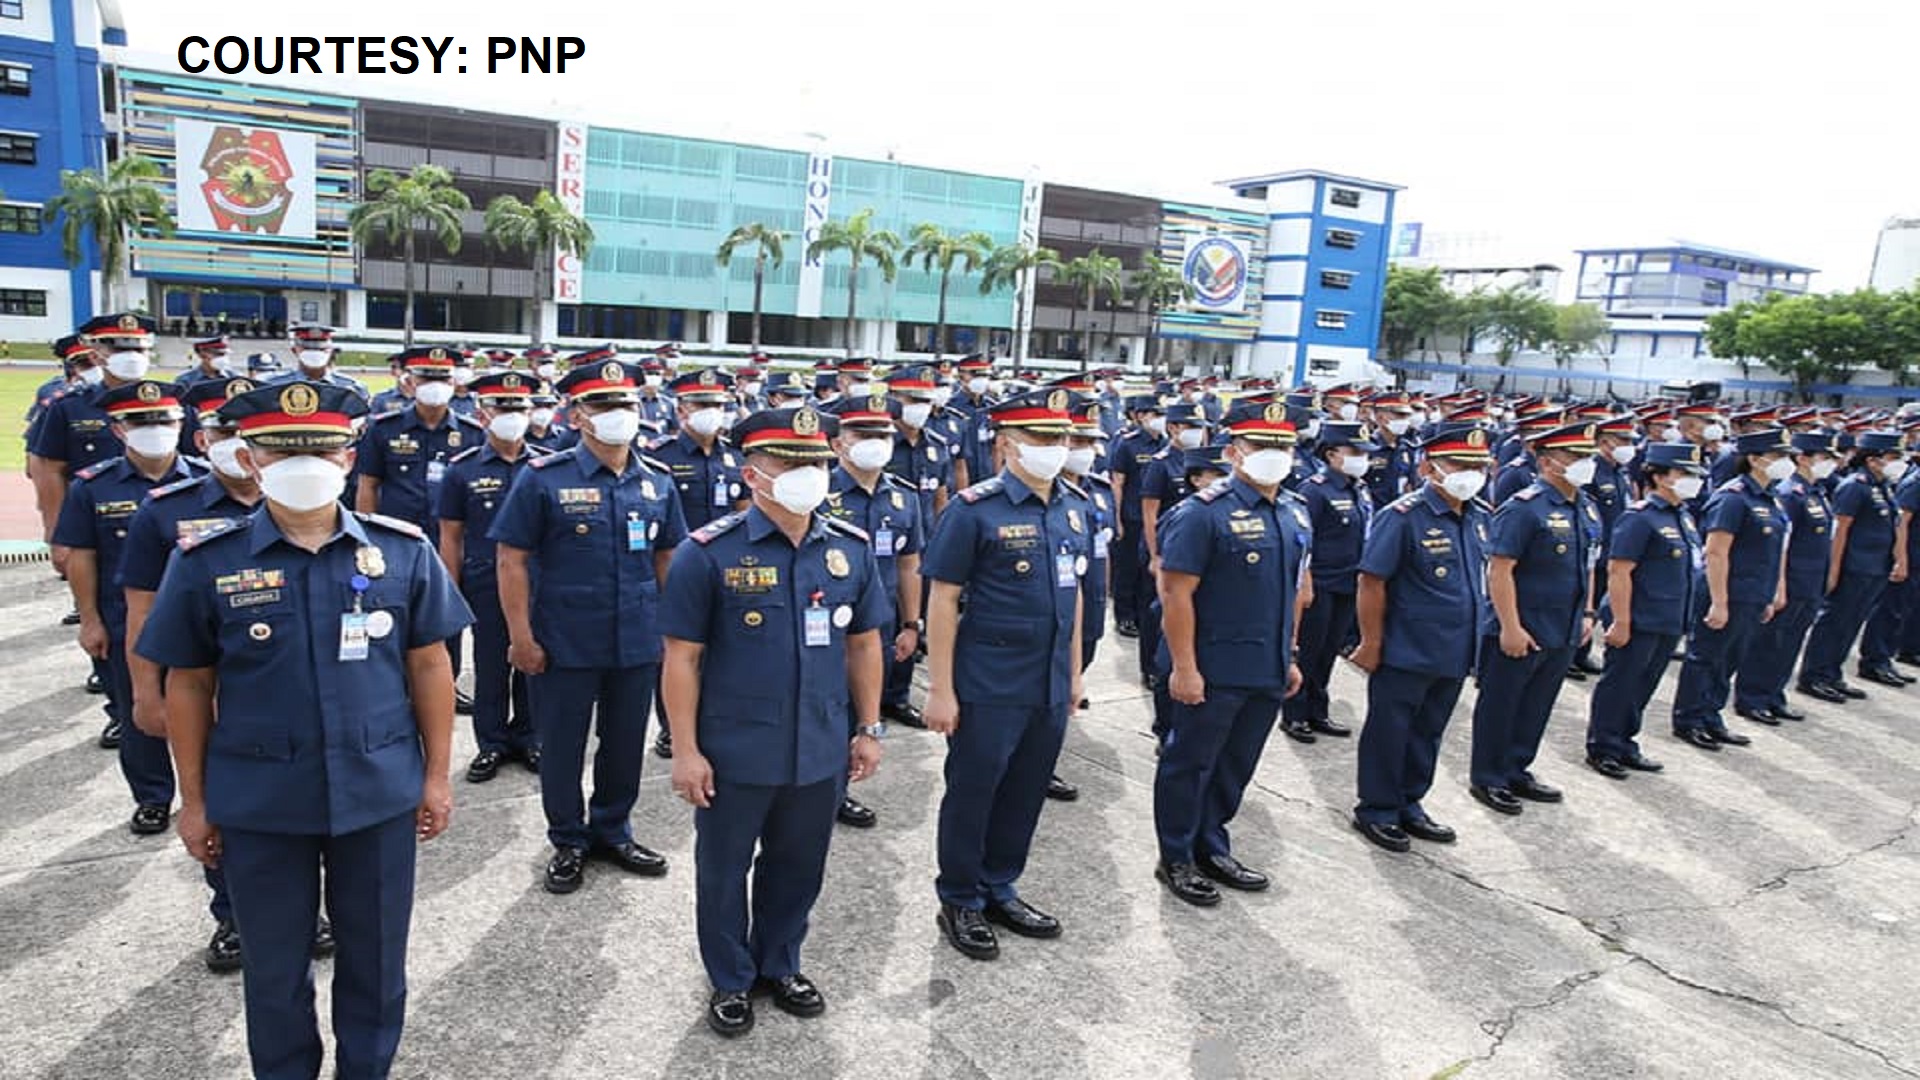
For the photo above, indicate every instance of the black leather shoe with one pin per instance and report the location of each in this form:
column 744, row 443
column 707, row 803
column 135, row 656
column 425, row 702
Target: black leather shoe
column 1642, row 763
column 1534, row 791
column 1882, row 676
column 96, row 685
column 110, row 736
column 730, row 1014
column 663, row 744
column 632, row 858
column 1758, row 716
column 1907, row 658
column 1184, row 881
column 796, row 995
column 530, row 757
column 1699, row 737
column 71, row 618
column 462, row 702
column 1575, row 673
column 1061, row 790
column 967, row 931
column 1328, row 727
column 1785, row 713
column 1585, row 662
column 223, row 949
column 1127, row 628
column 1422, row 827
column 485, row 766
column 1850, row 691
column 1728, row 738
column 149, row 820
column 905, row 715
column 1023, row 918
column 323, row 944
column 566, row 870
column 1390, row 837
column 1823, row 692
column 855, row 813
column 1498, row 798
column 1611, row 768
column 1298, row 730
column 1230, row 872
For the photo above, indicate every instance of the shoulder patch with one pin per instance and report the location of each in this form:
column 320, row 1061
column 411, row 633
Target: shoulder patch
column 174, row 488
column 1213, row 491
column 405, row 528
column 1531, row 491
column 1317, row 478
column 397, row 410
column 993, row 485
column 848, row 528
column 470, row 420
column 1731, row 485
column 212, row 531
column 656, row 464
column 1638, row 504
column 718, row 527
column 543, row 462
column 1405, row 503
column 464, row 454
column 661, row 441
column 1071, row 486
column 96, row 469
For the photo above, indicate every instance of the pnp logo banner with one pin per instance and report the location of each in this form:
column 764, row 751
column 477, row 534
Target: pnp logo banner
column 1216, row 267
column 230, row 178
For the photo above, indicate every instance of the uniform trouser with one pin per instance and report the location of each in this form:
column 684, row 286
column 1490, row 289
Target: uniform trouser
column 1148, row 619
column 1128, row 558
column 1620, row 697
column 1909, row 641
column 1407, row 713
column 998, row 763
column 897, row 686
column 742, row 936
column 564, row 701
column 1886, row 625
column 1511, row 714
column 1761, row 682
column 1206, row 762
column 1838, row 622
column 276, row 885
column 143, row 757
column 502, row 713
column 1093, row 622
column 1706, row 676
column 1323, row 633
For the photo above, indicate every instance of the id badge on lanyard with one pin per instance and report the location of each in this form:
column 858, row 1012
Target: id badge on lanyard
column 1066, row 569
column 720, row 491
column 818, row 624
column 639, row 534
column 354, row 635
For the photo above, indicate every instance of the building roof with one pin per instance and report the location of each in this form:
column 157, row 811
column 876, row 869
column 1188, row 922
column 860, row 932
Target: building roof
column 1266, row 179
column 1688, row 247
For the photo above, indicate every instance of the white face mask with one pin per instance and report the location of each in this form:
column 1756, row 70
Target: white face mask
column 1465, row 484
column 1355, row 465
column 434, row 394
column 615, row 427
column 221, row 362
column 1893, row 470
column 1080, row 460
column 1190, row 438
column 801, row 489
column 1157, row 425
column 651, row 379
column 542, row 416
column 154, row 440
column 977, row 385
column 749, row 389
column 1194, row 396
column 1099, row 386
column 1419, row 418
column 870, row 454
column 93, row 376
column 706, row 422
column 314, row 359
column 303, row 482
column 1671, row 433
column 1349, row 411
column 1713, row 433
column 1267, row 467
column 547, row 370
column 1311, row 431
column 1043, row 462
column 130, row 364
column 462, row 376
column 1780, row 468
column 859, row 389
column 509, row 426
column 1622, row 454
column 1399, row 427
column 942, row 395
column 1580, row 473
column 916, row 414
column 1824, row 468
column 1686, row 488
column 225, row 456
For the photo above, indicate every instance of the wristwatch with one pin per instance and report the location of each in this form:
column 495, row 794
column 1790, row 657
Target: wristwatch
column 918, row 626
column 876, row 730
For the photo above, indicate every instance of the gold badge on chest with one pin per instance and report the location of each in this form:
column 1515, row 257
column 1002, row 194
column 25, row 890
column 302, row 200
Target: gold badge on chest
column 837, row 564
column 370, row 560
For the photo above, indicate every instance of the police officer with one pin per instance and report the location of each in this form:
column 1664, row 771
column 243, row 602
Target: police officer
column 599, row 522
column 1761, row 683
column 1523, row 468
column 1652, row 561
column 1540, row 591
column 787, row 390
column 545, row 429
column 1865, row 559
column 317, row 637
column 1127, row 462
column 313, row 354
column 773, row 621
column 476, row 484
column 403, row 455
column 74, row 431
column 1745, row 541
column 1162, row 485
column 1421, row 583
column 1893, row 616
column 860, row 493
column 921, row 458
column 1612, row 490
column 212, row 362
column 1393, row 432
column 1003, row 680
column 974, row 397
column 705, row 467
column 1339, row 505
column 1232, row 587
column 658, row 415
column 1085, row 470
column 93, row 527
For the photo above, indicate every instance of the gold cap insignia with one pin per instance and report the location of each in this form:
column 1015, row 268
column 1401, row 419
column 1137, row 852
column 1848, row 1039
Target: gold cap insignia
column 807, row 422
column 1057, row 401
column 129, row 322
column 299, row 400
column 1590, row 431
column 612, row 372
column 149, row 392
column 510, row 381
column 1476, row 438
column 707, row 378
column 1276, row 413
column 236, row 387
column 436, row 353
column 877, row 403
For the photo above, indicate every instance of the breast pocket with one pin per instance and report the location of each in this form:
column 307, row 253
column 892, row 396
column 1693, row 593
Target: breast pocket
column 256, row 629
column 756, row 617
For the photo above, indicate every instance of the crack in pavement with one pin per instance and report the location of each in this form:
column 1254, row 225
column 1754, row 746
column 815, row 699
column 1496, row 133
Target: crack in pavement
column 1501, row 1026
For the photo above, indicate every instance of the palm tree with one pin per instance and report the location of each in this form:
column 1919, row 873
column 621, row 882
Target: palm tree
column 114, row 205
column 1092, row 274
column 768, row 247
column 1158, row 285
column 423, row 199
column 860, row 240
column 938, row 249
column 1017, row 265
column 544, row 228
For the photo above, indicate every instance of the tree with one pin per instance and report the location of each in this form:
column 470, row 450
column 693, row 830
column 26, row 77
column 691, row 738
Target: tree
column 1723, row 336
column 937, row 249
column 114, row 206
column 769, row 246
column 1801, row 337
column 1577, row 328
column 1415, row 305
column 1466, row 316
column 544, row 228
column 1017, row 265
column 400, row 207
column 1090, row 275
column 1158, row 285
column 1518, row 318
column 861, row 241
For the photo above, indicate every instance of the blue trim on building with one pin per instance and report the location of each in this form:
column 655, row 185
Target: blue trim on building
column 1287, row 258
column 1283, row 296
column 1281, row 338
column 1292, row 215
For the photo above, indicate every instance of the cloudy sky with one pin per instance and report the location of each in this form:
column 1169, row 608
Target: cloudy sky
column 1533, row 126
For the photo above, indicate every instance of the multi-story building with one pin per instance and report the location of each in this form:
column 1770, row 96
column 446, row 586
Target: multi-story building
column 1896, row 256
column 1657, row 299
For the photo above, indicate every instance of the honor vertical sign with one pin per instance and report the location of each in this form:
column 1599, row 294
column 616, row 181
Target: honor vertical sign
column 570, row 187
column 813, row 268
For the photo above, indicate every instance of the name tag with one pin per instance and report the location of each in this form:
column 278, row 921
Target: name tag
column 818, row 627
column 1066, row 571
column 1100, row 541
column 639, row 534
column 353, row 636
column 436, row 471
column 883, row 542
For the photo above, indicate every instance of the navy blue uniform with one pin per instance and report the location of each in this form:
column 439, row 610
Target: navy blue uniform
column 592, row 536
column 74, row 429
column 476, row 485
column 1127, row 465
column 1396, row 474
column 889, row 516
column 1514, row 475
column 315, row 760
column 1019, row 562
column 658, row 415
column 1891, row 623
column 1164, row 480
column 1433, row 562
column 708, row 481
column 1250, row 554
column 775, row 720
column 1094, row 589
column 331, row 378
column 1762, row 681
column 409, row 460
column 1865, row 564
column 976, row 439
column 1553, row 541
column 1339, row 509
column 925, row 466
column 1660, row 540
column 1743, row 509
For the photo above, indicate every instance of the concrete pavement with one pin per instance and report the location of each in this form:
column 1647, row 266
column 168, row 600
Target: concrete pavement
column 1747, row 913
